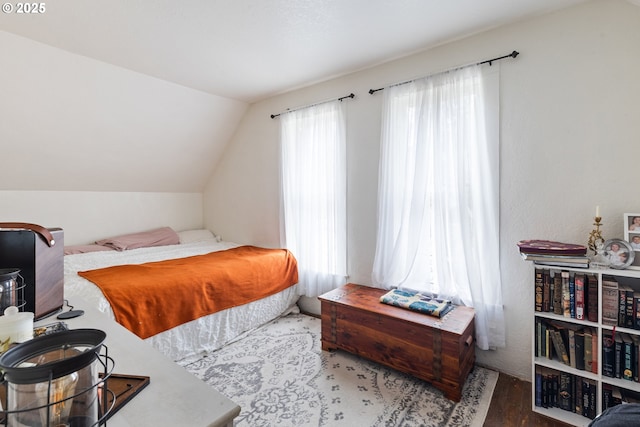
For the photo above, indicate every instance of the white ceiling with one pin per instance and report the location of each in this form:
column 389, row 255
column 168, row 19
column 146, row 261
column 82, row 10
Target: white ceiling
column 252, row 49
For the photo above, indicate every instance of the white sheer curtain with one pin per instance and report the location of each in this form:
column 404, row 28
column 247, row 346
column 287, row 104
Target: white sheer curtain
column 438, row 206
column 313, row 157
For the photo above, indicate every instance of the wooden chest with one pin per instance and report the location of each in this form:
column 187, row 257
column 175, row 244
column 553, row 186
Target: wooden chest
column 440, row 351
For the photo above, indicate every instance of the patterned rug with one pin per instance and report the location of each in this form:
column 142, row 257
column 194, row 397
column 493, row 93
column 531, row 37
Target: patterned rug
column 280, row 376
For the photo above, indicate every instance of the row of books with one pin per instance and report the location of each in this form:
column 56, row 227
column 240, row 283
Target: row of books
column 620, row 304
column 568, row 294
column 557, row 389
column 612, row 396
column 621, row 355
column 577, row 346
column 574, row 345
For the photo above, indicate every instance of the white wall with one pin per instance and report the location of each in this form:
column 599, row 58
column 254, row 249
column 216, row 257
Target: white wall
column 71, row 123
column 100, row 150
column 569, row 141
column 87, row 216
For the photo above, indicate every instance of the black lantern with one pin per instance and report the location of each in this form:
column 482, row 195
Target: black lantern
column 11, row 289
column 54, row 380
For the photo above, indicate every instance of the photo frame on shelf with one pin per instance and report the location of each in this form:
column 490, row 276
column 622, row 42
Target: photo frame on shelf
column 619, row 253
column 632, row 235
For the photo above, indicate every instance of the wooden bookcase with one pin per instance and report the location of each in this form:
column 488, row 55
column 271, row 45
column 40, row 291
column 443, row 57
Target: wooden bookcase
column 553, row 370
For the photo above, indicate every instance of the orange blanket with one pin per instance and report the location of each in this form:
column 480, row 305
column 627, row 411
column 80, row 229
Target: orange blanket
column 151, row 298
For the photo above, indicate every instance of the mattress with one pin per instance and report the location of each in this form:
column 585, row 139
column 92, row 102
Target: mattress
column 207, row 333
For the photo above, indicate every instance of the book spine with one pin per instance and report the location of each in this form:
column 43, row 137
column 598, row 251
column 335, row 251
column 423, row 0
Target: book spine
column 579, row 338
column 630, row 315
column 538, row 281
column 557, row 294
column 594, row 350
column 546, row 291
column 572, row 296
column 577, row 395
column 543, row 339
column 566, row 296
column 572, row 348
column 580, row 296
column 606, row 396
column 588, row 357
column 622, row 306
column 561, row 349
column 552, row 292
column 592, row 297
column 591, row 413
column 610, row 302
column 628, row 358
column 636, row 354
column 546, row 389
column 636, row 297
column 618, row 356
column 538, row 338
column 565, row 392
column 608, row 356
column 585, row 398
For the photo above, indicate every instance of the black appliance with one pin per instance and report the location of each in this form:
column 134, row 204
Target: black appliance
column 38, row 253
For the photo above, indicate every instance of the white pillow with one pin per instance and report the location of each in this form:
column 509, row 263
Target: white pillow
column 193, row 236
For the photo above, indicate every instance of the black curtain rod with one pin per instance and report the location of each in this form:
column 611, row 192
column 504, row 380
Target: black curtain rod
column 351, row 95
column 488, row 61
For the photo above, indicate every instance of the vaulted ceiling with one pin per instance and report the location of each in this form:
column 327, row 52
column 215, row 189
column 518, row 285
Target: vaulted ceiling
column 144, row 95
column 252, row 49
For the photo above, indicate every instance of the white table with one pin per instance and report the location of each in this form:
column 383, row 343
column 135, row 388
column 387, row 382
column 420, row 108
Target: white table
column 174, row 397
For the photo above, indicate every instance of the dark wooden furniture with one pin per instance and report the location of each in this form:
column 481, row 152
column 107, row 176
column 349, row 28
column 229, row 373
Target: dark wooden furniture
column 41, row 266
column 440, row 351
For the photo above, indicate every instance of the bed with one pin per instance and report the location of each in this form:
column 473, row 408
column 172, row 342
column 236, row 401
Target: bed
column 202, row 334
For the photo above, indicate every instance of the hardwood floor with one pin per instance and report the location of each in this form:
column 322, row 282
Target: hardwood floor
column 511, row 406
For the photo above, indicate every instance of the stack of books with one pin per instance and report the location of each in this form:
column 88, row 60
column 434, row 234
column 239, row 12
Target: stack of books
column 558, row 254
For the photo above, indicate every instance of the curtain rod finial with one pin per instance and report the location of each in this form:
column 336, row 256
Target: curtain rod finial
column 515, row 53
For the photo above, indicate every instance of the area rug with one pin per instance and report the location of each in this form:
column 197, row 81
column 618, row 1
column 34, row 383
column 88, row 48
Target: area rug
column 280, row 376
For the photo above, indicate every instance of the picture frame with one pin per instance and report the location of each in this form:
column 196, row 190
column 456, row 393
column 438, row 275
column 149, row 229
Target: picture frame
column 632, row 235
column 619, row 253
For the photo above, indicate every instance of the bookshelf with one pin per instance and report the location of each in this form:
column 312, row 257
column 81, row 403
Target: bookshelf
column 578, row 386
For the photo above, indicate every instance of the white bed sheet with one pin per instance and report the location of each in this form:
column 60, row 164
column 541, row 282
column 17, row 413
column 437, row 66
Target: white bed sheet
column 204, row 334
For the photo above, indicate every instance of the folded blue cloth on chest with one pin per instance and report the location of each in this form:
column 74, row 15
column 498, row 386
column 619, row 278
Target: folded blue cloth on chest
column 415, row 301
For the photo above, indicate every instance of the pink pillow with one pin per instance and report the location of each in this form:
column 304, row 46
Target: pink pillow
column 157, row 237
column 81, row 249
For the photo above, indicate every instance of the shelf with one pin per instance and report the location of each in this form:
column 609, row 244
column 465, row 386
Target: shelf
column 553, row 367
column 559, row 366
column 635, row 274
column 601, row 271
column 564, row 416
column 626, row 384
column 559, row 318
column 621, row 329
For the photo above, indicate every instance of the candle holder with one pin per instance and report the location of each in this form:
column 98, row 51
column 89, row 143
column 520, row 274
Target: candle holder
column 596, row 235
column 596, row 244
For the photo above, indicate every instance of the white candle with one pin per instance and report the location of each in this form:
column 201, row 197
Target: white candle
column 598, row 210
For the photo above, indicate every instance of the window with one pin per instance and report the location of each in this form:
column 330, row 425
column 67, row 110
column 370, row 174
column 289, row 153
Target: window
column 438, row 206
column 314, row 194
